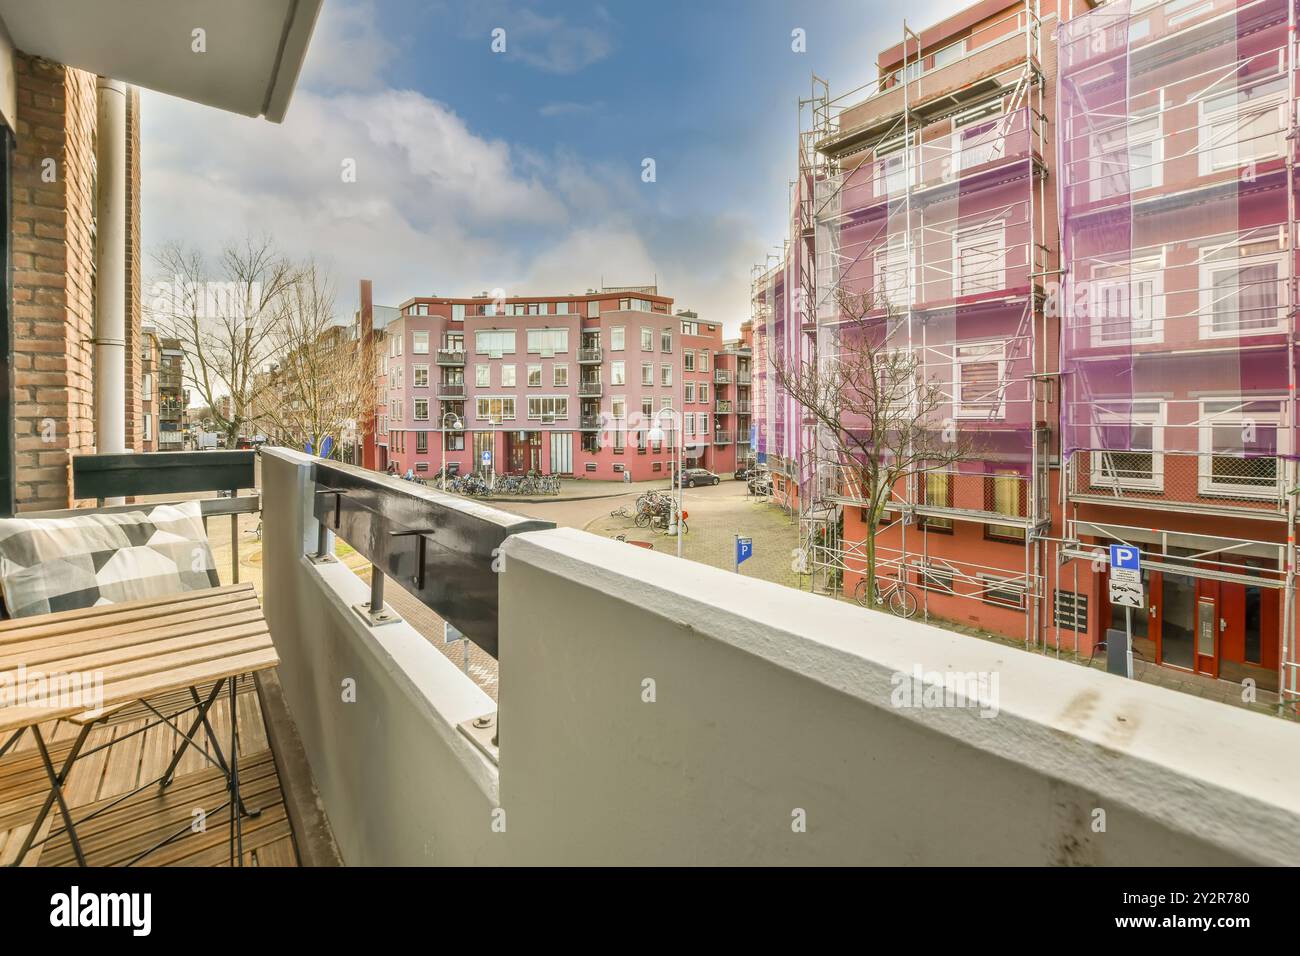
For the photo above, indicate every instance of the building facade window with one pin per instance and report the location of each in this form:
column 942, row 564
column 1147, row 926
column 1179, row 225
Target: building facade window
column 490, row 341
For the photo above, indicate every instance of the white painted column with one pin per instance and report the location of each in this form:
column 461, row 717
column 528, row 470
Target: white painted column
column 110, row 268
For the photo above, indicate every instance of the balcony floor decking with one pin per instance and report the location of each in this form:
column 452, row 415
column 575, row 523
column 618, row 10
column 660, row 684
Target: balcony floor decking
column 124, row 829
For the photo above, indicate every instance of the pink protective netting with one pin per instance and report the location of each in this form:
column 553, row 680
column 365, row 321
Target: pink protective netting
column 1175, row 303
column 936, row 222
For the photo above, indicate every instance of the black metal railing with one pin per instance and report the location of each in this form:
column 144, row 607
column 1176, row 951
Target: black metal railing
column 441, row 548
column 109, row 477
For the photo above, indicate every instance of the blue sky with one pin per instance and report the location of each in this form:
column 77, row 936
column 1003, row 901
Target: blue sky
column 522, row 170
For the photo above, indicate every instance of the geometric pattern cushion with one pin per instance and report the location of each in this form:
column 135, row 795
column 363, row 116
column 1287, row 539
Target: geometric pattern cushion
column 58, row 564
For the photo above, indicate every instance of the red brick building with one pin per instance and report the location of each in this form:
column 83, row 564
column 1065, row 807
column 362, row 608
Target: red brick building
column 559, row 384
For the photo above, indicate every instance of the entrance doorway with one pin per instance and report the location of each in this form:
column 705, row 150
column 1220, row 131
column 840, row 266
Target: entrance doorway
column 1216, row 628
column 523, row 452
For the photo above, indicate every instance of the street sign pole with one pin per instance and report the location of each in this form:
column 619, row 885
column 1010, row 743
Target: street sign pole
column 1128, row 639
column 1126, row 590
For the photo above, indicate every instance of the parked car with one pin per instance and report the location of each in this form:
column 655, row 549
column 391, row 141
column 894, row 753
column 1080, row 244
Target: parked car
column 747, row 472
column 698, row 476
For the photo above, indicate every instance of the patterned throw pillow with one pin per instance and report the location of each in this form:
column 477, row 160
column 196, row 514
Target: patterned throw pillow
column 58, row 564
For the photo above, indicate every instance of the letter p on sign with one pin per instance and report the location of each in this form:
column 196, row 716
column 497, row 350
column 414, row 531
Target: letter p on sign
column 1126, row 557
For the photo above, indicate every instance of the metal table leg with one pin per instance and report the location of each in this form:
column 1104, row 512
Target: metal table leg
column 57, row 780
column 236, row 820
column 202, row 718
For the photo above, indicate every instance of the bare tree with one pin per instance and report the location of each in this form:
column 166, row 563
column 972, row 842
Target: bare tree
column 225, row 318
column 873, row 408
column 323, row 380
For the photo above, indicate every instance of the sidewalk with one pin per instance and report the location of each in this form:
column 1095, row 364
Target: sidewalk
column 578, row 489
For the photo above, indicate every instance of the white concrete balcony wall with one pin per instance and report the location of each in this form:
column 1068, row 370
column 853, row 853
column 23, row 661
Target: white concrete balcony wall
column 770, row 701
column 400, row 784
column 770, row 704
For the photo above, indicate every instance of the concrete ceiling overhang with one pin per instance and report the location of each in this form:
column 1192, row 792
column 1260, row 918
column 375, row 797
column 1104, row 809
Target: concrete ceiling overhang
column 252, row 49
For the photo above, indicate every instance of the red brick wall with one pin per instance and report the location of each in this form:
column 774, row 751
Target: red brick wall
column 53, row 253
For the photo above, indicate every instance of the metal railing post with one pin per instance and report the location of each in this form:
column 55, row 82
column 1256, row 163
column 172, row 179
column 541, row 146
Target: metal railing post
column 375, row 613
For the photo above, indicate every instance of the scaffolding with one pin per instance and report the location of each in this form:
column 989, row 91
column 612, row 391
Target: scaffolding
column 1175, row 140
column 929, row 196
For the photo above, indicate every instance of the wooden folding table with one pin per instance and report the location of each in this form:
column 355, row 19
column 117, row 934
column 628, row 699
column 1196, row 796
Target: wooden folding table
column 85, row 665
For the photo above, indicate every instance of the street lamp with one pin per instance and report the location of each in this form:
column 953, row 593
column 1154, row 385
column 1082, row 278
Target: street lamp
column 457, row 425
column 657, row 434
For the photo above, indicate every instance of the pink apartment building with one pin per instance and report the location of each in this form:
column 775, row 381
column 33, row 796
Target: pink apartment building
column 568, row 385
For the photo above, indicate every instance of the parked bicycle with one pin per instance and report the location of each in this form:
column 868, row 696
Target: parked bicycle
column 891, row 593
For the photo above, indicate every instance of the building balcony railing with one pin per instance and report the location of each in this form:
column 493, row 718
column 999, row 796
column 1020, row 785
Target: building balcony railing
column 452, row 357
column 531, row 595
column 722, row 407
column 590, row 356
column 451, row 390
column 590, row 389
column 722, row 376
column 722, row 438
column 433, row 729
column 743, row 378
column 744, row 408
column 588, row 423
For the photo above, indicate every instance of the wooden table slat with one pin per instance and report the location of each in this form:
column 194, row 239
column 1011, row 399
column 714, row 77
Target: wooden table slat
column 43, row 625
column 51, row 656
column 139, row 649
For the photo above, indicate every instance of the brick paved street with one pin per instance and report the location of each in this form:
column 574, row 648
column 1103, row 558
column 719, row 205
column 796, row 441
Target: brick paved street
column 715, row 515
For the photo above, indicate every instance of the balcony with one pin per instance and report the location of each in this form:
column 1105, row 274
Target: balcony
column 744, row 408
column 566, row 740
column 743, row 378
column 589, row 423
column 809, row 713
column 451, row 357
column 590, row 389
column 722, row 407
column 114, row 764
column 722, row 376
column 722, row 438
column 591, row 356
column 451, row 390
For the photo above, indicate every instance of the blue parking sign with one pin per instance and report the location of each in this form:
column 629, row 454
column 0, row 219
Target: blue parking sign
column 744, row 550
column 1125, row 557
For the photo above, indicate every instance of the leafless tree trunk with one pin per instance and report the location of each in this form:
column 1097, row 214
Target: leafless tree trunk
column 873, row 408
column 324, row 379
column 225, row 318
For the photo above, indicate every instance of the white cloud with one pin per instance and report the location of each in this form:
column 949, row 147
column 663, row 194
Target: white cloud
column 436, row 208
column 347, row 50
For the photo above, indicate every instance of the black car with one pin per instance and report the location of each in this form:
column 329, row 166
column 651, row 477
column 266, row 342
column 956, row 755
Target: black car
column 698, row 476
column 746, row 473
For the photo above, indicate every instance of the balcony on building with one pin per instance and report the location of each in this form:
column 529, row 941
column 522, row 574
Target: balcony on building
column 451, row 390
column 743, row 378
column 451, row 357
column 590, row 388
column 589, row 422
column 793, row 672
column 722, row 376
column 722, row 406
column 591, row 355
column 744, row 407
column 722, row 437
